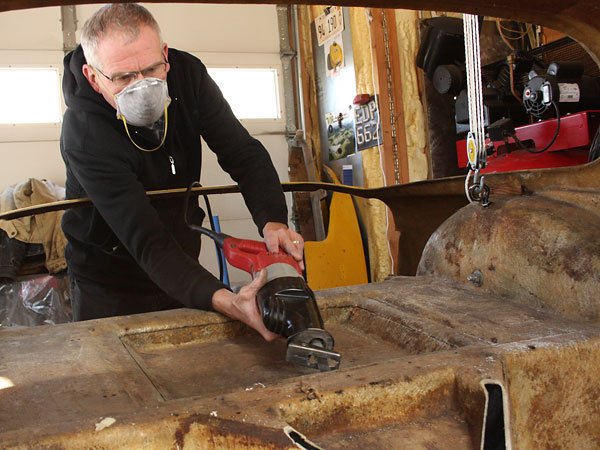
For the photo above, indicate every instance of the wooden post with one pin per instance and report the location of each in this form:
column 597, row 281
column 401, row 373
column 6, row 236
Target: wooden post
column 393, row 151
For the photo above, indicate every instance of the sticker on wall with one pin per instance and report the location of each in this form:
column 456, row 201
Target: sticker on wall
column 334, row 55
column 367, row 126
column 340, row 134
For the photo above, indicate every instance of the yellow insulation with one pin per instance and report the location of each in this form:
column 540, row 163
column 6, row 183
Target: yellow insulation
column 374, row 211
column 414, row 114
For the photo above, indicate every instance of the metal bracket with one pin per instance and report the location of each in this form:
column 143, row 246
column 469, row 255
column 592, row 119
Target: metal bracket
column 68, row 17
column 315, row 197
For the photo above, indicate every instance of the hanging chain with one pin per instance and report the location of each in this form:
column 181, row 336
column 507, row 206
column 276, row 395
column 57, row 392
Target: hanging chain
column 388, row 69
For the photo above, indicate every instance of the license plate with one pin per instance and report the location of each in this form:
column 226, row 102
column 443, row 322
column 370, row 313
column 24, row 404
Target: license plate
column 367, row 125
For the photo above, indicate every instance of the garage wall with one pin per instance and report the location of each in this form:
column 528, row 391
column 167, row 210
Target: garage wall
column 221, row 35
column 30, row 38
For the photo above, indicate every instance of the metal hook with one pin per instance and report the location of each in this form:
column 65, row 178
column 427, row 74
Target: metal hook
column 479, row 191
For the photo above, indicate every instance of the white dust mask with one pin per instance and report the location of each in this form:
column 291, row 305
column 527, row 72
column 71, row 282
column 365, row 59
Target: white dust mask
column 143, row 102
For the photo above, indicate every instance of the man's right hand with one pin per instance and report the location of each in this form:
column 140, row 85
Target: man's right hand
column 242, row 306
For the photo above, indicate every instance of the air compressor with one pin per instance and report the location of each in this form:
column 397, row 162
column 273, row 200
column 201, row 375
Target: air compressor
column 563, row 85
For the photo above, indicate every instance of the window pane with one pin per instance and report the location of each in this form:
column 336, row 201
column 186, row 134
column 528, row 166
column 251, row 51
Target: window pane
column 251, row 93
column 29, row 96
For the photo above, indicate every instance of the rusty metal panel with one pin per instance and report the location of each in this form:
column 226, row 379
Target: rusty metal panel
column 415, row 350
column 542, row 250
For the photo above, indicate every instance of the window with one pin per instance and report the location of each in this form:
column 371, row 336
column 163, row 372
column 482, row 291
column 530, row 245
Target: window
column 252, row 93
column 29, row 95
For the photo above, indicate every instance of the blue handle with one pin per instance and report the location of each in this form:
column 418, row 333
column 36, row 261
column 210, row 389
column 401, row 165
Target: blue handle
column 223, row 261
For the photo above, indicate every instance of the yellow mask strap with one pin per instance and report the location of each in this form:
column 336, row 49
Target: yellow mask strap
column 162, row 140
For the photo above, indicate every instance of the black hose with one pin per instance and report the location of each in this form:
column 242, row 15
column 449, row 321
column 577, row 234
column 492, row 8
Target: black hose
column 595, row 147
column 210, row 217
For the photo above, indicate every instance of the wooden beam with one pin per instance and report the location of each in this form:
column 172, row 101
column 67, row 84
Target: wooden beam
column 385, row 47
column 391, row 112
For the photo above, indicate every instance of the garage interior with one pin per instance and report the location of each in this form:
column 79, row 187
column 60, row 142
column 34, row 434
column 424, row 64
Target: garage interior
column 459, row 325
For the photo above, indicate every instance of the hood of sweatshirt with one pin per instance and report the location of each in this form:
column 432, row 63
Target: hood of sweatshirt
column 77, row 91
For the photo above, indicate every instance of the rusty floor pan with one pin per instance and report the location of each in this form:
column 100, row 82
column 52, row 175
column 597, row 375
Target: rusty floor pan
column 220, row 358
column 414, row 354
column 415, row 435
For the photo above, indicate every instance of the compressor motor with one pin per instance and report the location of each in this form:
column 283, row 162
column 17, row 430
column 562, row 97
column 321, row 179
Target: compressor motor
column 563, row 85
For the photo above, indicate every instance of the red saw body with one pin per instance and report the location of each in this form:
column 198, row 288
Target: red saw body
column 286, row 304
column 253, row 256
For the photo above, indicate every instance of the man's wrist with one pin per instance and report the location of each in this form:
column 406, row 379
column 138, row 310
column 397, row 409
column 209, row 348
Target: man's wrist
column 221, row 301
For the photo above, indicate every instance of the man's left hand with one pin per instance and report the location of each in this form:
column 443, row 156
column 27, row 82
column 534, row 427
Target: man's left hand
column 279, row 235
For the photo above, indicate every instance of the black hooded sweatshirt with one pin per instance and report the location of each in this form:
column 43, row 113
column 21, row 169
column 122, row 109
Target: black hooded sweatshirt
column 125, row 241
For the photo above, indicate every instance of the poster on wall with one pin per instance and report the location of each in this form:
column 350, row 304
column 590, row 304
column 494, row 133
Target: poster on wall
column 336, row 89
column 340, row 134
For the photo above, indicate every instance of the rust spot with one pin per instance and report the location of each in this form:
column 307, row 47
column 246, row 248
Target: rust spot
column 457, row 341
column 570, row 262
column 447, row 323
column 311, row 394
column 238, row 434
column 182, row 430
column 384, row 383
column 453, row 256
column 574, row 274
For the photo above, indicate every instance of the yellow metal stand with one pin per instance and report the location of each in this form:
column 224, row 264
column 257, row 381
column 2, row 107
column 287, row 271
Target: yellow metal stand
column 339, row 260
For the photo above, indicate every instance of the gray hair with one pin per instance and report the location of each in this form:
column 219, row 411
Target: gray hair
column 124, row 18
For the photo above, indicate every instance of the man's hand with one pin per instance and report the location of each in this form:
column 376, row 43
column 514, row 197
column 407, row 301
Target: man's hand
column 279, row 235
column 242, row 306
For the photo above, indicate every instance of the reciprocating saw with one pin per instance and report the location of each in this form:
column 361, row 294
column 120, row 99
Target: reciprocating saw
column 286, row 303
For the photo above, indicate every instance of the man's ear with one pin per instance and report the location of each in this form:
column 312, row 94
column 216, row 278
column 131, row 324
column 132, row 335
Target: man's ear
column 166, row 55
column 90, row 74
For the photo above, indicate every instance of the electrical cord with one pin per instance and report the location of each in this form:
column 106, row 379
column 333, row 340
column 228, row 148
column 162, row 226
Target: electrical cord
column 498, row 26
column 595, row 147
column 519, row 33
column 210, row 218
column 510, row 34
column 533, row 150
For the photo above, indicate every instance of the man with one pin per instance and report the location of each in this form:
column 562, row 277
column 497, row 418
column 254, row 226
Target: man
column 135, row 113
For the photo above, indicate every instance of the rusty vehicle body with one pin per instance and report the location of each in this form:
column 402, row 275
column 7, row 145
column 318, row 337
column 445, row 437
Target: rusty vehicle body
column 501, row 323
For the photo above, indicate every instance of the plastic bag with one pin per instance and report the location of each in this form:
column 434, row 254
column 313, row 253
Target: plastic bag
column 37, row 300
